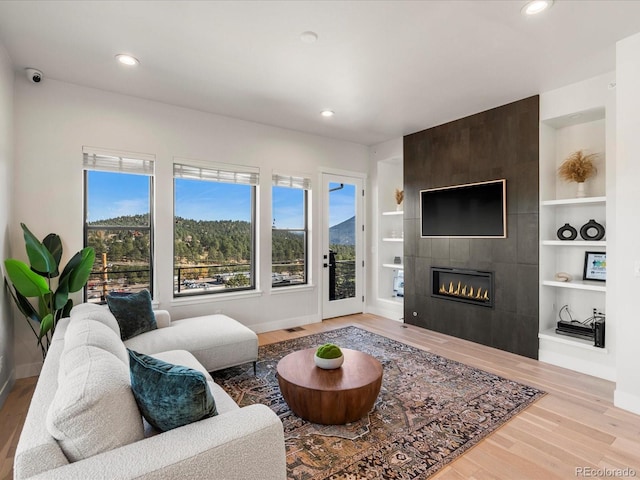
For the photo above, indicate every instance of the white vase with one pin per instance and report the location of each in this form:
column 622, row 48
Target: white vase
column 398, row 207
column 328, row 363
column 581, row 191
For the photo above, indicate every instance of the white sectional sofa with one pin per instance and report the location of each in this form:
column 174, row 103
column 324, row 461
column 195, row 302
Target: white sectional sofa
column 101, row 422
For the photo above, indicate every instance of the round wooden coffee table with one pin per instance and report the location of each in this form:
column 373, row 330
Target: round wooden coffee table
column 330, row 397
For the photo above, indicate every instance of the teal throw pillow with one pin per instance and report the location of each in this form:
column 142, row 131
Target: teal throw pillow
column 169, row 396
column 133, row 311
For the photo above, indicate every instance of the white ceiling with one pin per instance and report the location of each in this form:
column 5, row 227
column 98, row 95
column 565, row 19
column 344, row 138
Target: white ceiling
column 387, row 68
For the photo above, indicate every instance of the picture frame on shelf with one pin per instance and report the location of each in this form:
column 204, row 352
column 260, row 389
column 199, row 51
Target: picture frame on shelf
column 595, row 266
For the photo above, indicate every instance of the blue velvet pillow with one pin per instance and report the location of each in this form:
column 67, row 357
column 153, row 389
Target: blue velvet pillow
column 133, row 311
column 169, row 396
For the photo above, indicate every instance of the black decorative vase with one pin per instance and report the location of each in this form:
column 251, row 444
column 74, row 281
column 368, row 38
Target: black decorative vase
column 592, row 231
column 567, row 232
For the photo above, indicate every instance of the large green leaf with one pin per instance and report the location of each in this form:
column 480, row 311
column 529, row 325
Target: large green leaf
column 23, row 304
column 45, row 325
column 62, row 294
column 80, row 273
column 67, row 309
column 70, row 266
column 39, row 256
column 27, row 282
column 54, row 245
column 44, row 304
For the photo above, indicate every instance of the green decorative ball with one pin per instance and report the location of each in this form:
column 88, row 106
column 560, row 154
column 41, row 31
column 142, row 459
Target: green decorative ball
column 329, row 350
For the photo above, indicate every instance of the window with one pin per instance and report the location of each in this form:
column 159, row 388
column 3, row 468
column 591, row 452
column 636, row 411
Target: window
column 118, row 222
column 214, row 229
column 289, row 233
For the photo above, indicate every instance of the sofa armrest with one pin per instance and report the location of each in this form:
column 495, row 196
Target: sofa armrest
column 237, row 445
column 163, row 318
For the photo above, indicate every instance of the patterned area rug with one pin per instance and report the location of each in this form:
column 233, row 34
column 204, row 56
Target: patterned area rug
column 430, row 410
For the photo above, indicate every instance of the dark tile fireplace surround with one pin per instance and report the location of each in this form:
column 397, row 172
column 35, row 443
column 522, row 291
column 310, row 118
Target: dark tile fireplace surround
column 498, row 143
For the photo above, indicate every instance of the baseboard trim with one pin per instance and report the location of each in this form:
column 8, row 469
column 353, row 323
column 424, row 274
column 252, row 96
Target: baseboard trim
column 390, row 313
column 286, row 323
column 28, row 370
column 579, row 365
column 626, row 401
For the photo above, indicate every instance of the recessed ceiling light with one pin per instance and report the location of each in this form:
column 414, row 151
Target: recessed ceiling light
column 536, row 6
column 327, row 113
column 127, row 59
column 309, row 37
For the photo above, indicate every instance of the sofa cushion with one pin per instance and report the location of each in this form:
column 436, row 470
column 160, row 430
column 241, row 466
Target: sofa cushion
column 95, row 334
column 169, row 395
column 217, row 341
column 134, row 313
column 224, row 403
column 93, row 410
column 99, row 313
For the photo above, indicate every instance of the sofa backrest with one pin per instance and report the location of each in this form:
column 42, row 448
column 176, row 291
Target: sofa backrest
column 83, row 404
column 37, row 450
column 94, row 409
column 99, row 313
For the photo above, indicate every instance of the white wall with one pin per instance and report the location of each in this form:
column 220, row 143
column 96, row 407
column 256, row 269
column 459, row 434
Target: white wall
column 627, row 276
column 55, row 119
column 6, row 165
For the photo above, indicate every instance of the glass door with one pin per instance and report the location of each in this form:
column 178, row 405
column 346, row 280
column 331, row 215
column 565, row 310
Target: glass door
column 342, row 253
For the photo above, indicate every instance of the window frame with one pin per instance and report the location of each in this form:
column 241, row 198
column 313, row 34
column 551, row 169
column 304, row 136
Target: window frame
column 251, row 177
column 298, row 183
column 148, row 159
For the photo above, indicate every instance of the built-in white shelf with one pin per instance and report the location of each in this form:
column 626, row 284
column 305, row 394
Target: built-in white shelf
column 394, row 212
column 574, row 201
column 575, row 243
column 390, row 239
column 396, row 266
column 552, row 336
column 576, row 284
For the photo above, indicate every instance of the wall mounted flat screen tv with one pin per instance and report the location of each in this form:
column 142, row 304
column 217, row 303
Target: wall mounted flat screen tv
column 474, row 210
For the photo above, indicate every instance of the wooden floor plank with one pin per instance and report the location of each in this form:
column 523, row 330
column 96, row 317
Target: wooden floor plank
column 574, row 426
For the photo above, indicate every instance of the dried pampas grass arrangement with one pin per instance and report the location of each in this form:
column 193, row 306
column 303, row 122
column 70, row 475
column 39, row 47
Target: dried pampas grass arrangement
column 578, row 167
column 399, row 196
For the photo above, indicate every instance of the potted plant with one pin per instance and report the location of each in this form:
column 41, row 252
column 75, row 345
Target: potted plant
column 328, row 356
column 51, row 300
column 578, row 168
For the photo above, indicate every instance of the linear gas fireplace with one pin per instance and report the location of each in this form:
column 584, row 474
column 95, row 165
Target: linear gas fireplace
column 462, row 285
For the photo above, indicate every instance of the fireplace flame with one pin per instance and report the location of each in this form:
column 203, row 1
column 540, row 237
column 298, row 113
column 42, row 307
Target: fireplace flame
column 465, row 291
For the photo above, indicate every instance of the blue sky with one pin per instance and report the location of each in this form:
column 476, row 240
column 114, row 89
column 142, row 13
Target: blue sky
column 287, row 207
column 201, row 200
column 115, row 194
column 341, row 203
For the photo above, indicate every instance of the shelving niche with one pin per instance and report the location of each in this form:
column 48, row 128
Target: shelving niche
column 559, row 136
column 389, row 237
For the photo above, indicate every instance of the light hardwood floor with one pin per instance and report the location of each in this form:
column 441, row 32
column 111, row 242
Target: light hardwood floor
column 575, row 426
